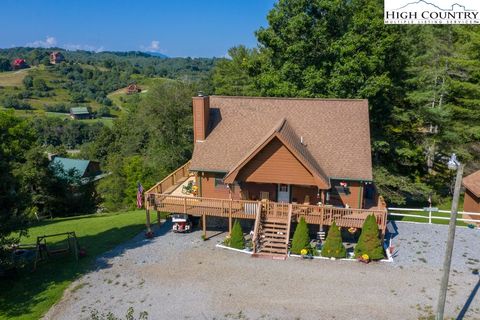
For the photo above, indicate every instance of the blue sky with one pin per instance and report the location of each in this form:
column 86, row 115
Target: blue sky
column 181, row 28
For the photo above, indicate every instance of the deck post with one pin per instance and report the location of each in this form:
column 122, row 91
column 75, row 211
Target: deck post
column 230, row 218
column 158, row 218
column 185, row 204
column 147, row 212
column 204, row 226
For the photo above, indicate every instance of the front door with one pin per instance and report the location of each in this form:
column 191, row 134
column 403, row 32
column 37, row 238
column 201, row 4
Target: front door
column 283, row 193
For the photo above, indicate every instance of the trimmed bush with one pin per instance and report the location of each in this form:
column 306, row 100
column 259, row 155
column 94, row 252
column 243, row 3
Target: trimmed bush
column 301, row 239
column 333, row 246
column 236, row 240
column 369, row 243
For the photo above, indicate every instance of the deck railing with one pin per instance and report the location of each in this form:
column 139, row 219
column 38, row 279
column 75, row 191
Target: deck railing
column 170, row 180
column 247, row 209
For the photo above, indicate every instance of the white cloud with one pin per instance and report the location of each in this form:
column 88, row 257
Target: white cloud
column 47, row 43
column 153, row 47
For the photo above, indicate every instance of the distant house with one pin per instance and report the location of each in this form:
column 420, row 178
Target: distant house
column 56, row 57
column 133, row 88
column 79, row 113
column 19, row 64
column 87, row 169
column 471, row 202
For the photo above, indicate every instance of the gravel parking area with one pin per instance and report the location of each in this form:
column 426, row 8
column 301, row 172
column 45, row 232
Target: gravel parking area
column 180, row 276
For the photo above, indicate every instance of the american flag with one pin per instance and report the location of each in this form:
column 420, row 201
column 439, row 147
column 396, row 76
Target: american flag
column 139, row 195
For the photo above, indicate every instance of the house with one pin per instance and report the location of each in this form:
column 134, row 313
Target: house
column 274, row 160
column 133, row 88
column 56, row 57
column 19, row 64
column 79, row 113
column 88, row 170
column 471, row 201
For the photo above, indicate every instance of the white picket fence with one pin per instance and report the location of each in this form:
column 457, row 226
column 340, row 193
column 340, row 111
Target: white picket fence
column 430, row 214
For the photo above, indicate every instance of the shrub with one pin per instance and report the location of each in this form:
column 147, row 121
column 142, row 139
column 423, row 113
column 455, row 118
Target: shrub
column 301, row 239
column 333, row 247
column 236, row 240
column 369, row 243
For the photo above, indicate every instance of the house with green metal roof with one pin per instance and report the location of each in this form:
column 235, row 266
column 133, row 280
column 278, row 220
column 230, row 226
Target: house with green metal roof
column 88, row 170
column 79, row 113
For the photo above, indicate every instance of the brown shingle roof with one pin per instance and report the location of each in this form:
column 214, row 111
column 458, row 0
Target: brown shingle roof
column 336, row 133
column 472, row 183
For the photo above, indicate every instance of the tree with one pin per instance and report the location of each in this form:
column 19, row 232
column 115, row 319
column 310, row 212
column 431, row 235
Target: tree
column 39, row 188
column 147, row 143
column 40, row 84
column 237, row 240
column 369, row 243
column 301, row 239
column 28, row 82
column 16, row 136
column 234, row 76
column 5, row 65
column 333, row 246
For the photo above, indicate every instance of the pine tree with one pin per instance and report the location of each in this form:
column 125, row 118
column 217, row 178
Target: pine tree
column 333, row 247
column 369, row 243
column 301, row 239
column 237, row 241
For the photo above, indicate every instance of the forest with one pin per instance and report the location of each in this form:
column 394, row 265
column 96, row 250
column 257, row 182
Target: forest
column 422, row 83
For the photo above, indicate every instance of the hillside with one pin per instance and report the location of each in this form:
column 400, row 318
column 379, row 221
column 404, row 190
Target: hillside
column 94, row 80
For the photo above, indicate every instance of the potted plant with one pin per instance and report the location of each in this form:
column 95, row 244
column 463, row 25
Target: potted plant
column 364, row 258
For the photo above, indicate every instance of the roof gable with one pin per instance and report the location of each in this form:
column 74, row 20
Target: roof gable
column 336, row 133
column 285, row 134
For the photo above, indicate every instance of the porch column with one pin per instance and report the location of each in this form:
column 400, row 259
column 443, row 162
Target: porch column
column 204, row 226
column 230, row 218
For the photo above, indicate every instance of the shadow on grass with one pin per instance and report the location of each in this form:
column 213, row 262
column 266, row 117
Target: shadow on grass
column 45, row 286
column 48, row 221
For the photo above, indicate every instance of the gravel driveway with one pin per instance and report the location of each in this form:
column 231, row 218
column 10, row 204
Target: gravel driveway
column 179, row 276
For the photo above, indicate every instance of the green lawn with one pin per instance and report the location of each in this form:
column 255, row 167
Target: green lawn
column 33, row 293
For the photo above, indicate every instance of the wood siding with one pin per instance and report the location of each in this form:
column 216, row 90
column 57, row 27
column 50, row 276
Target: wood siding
column 352, row 195
column 275, row 164
column 471, row 203
column 210, row 190
column 299, row 193
column 251, row 191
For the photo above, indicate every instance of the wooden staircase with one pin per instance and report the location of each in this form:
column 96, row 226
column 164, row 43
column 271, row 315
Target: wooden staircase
column 271, row 235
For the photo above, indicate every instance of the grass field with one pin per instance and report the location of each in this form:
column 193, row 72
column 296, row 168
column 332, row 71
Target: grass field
column 13, row 78
column 108, row 121
column 33, row 293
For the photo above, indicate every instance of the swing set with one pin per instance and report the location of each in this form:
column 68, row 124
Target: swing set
column 45, row 250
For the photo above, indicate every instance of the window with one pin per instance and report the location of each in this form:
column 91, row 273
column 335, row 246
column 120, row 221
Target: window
column 219, row 181
column 283, row 188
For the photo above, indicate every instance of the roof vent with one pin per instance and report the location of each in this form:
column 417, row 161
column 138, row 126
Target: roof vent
column 301, row 140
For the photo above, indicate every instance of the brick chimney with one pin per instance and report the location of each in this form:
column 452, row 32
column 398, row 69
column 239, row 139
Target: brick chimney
column 201, row 117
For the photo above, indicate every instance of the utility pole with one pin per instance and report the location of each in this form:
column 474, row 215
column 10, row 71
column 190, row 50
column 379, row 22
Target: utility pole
column 452, row 164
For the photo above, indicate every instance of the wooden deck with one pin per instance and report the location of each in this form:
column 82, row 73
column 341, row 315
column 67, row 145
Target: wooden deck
column 246, row 209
